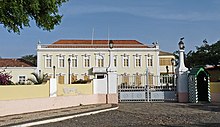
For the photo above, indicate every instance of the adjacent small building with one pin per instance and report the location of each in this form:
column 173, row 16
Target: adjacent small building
column 19, row 69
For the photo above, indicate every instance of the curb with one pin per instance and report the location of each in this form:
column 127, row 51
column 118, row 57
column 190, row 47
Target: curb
column 63, row 118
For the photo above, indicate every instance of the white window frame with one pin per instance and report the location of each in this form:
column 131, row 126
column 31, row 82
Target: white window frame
column 100, row 61
column 137, row 58
column 86, row 57
column 74, row 61
column 48, row 57
column 150, row 61
column 123, row 60
column 24, row 78
column 61, row 57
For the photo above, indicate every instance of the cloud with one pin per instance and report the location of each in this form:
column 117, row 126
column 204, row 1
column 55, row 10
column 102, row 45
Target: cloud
column 150, row 12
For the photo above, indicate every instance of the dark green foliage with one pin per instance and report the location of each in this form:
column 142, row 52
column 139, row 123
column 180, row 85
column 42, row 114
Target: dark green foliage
column 81, row 81
column 31, row 58
column 204, row 55
column 16, row 14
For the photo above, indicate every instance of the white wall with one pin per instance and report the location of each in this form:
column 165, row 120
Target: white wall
column 15, row 72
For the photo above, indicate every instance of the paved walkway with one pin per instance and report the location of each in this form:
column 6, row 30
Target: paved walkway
column 149, row 115
column 128, row 114
column 20, row 119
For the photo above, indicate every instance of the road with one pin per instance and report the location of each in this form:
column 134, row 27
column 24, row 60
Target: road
column 149, row 114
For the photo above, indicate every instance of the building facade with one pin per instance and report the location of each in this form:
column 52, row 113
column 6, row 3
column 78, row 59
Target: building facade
column 19, row 69
column 71, row 60
column 167, row 63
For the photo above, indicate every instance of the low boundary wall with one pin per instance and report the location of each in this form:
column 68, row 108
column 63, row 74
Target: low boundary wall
column 15, row 92
column 32, row 98
column 11, row 107
column 215, row 91
column 74, row 89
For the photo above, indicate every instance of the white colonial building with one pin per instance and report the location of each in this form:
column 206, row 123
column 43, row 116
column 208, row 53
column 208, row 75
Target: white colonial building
column 71, row 60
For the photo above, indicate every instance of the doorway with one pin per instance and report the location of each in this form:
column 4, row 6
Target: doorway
column 202, row 87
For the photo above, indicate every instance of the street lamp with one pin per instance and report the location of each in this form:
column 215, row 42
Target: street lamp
column 181, row 44
column 173, row 64
column 69, row 70
column 167, row 68
column 111, row 44
column 54, row 74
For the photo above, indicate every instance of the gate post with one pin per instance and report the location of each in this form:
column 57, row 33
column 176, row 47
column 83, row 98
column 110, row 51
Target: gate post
column 148, row 94
column 53, row 87
column 112, row 93
column 182, row 85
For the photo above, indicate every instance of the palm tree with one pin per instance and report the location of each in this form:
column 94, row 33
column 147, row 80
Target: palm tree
column 38, row 79
column 30, row 58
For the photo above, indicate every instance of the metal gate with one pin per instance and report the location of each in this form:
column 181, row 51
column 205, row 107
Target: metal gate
column 141, row 88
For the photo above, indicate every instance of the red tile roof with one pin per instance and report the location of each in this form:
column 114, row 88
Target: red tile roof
column 15, row 63
column 97, row 44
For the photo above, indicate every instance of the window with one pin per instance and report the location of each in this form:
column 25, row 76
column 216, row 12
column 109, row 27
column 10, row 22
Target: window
column 21, row 79
column 165, row 61
column 137, row 61
column 150, row 61
column 115, row 61
column 86, row 61
column 100, row 76
column 74, row 61
column 60, row 61
column 125, row 61
column 48, row 61
column 99, row 60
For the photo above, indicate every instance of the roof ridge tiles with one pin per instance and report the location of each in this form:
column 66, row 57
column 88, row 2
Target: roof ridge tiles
column 69, row 41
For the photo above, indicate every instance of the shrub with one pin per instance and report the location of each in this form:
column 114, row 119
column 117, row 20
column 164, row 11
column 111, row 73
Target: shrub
column 81, row 81
column 38, row 79
column 5, row 78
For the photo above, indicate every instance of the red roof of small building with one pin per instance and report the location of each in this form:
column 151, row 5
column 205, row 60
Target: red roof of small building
column 97, row 44
column 15, row 63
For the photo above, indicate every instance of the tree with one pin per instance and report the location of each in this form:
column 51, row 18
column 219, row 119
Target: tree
column 16, row 14
column 30, row 58
column 38, row 79
column 204, row 55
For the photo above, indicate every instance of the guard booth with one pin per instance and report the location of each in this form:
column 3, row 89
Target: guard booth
column 99, row 72
column 100, row 80
column 199, row 85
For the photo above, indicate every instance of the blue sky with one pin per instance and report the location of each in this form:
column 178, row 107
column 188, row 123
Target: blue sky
column 147, row 21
